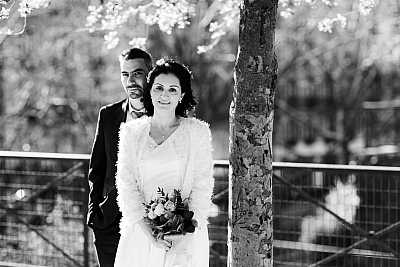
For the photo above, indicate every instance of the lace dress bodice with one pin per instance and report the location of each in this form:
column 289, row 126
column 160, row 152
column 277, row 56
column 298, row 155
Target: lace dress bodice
column 162, row 165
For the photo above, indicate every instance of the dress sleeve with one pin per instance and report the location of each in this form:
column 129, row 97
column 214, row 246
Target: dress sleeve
column 130, row 199
column 203, row 181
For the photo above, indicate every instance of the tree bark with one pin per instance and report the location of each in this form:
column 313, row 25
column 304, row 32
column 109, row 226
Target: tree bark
column 251, row 124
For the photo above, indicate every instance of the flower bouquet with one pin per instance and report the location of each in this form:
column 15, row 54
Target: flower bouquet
column 169, row 215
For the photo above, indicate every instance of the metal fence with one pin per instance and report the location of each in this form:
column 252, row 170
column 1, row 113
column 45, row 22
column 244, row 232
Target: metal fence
column 336, row 215
column 43, row 205
column 42, row 210
column 324, row 215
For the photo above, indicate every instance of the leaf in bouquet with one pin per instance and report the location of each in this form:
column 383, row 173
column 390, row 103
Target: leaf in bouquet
column 189, row 228
column 163, row 219
column 181, row 228
column 160, row 192
column 178, row 197
column 187, row 214
column 159, row 235
column 172, row 232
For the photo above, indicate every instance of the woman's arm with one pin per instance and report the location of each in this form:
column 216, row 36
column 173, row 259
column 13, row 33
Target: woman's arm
column 130, row 199
column 203, row 181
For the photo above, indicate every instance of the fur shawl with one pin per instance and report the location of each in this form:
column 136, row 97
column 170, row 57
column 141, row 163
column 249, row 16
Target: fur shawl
column 198, row 181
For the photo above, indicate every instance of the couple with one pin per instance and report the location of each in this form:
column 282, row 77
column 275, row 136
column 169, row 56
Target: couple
column 133, row 155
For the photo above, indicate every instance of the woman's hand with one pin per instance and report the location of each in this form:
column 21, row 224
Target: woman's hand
column 160, row 243
column 173, row 239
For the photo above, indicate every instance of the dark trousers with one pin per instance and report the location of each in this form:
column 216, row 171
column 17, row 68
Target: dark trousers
column 106, row 243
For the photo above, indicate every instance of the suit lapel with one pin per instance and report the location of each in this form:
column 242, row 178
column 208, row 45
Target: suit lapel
column 123, row 112
column 119, row 117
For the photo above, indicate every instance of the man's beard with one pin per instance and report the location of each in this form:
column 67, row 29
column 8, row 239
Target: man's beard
column 135, row 92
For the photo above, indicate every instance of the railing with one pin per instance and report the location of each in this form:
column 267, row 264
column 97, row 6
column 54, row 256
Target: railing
column 336, row 215
column 43, row 210
column 324, row 215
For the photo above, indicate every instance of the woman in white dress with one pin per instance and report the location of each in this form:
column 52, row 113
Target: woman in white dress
column 168, row 150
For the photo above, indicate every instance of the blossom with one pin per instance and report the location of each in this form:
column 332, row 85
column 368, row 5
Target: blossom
column 139, row 42
column 327, row 24
column 288, row 12
column 169, row 205
column 365, row 6
column 159, row 210
column 168, row 214
column 27, row 6
column 4, row 13
column 151, row 215
column 111, row 39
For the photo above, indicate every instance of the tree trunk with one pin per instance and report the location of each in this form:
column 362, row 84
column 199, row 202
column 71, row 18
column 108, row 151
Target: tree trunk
column 251, row 121
column 2, row 100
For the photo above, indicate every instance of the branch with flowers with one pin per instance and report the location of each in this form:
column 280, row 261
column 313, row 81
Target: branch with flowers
column 169, row 215
column 113, row 17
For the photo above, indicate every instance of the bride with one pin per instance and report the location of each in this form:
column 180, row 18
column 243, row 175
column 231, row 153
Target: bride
column 168, row 150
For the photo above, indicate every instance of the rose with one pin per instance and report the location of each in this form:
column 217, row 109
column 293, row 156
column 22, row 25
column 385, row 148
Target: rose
column 168, row 215
column 159, row 209
column 151, row 215
column 169, row 205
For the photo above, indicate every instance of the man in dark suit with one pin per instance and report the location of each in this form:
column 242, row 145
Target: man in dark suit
column 103, row 212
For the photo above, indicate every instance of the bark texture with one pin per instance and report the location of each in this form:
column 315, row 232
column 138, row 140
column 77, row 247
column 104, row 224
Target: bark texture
column 251, row 123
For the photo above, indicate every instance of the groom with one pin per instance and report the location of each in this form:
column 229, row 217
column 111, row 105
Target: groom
column 103, row 212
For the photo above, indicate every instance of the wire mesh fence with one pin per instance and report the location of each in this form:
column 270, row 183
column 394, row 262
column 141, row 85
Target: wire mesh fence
column 42, row 211
column 324, row 215
column 336, row 216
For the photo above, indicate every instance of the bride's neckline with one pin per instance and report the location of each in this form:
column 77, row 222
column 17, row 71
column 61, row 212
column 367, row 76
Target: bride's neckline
column 160, row 138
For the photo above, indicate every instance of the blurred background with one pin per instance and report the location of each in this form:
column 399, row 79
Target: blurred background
column 337, row 101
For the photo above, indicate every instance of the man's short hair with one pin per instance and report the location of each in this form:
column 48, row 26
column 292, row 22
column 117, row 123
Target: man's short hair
column 133, row 53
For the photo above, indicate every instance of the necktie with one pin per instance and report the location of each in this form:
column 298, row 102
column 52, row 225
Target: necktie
column 137, row 114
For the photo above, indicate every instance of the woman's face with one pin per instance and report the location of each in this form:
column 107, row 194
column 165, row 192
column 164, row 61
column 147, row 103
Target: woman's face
column 166, row 92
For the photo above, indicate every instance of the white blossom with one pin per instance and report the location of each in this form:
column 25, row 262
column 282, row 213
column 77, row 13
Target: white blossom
column 151, row 215
column 169, row 205
column 284, row 3
column 111, row 39
column 4, row 13
column 365, row 6
column 159, row 210
column 27, row 6
column 167, row 14
column 139, row 42
column 288, row 12
column 330, row 3
column 326, row 25
column 94, row 16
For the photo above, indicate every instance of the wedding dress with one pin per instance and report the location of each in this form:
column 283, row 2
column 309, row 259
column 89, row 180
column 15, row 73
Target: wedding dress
column 168, row 166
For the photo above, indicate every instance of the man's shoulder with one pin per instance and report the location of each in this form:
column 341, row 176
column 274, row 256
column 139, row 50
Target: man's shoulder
column 113, row 106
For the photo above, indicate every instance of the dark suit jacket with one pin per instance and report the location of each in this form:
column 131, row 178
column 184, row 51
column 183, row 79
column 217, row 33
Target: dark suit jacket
column 103, row 210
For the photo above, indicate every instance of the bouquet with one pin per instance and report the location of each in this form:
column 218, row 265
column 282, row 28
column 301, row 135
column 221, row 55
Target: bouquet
column 169, row 215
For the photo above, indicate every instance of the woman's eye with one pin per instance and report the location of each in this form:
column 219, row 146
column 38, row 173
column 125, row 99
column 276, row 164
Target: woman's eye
column 158, row 89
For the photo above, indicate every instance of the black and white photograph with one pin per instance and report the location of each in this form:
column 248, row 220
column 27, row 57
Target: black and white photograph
column 199, row 133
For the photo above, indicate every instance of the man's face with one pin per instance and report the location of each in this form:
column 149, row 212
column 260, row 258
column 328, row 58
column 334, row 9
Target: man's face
column 133, row 78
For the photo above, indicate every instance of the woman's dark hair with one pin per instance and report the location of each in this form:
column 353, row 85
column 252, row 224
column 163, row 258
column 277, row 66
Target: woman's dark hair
column 169, row 66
